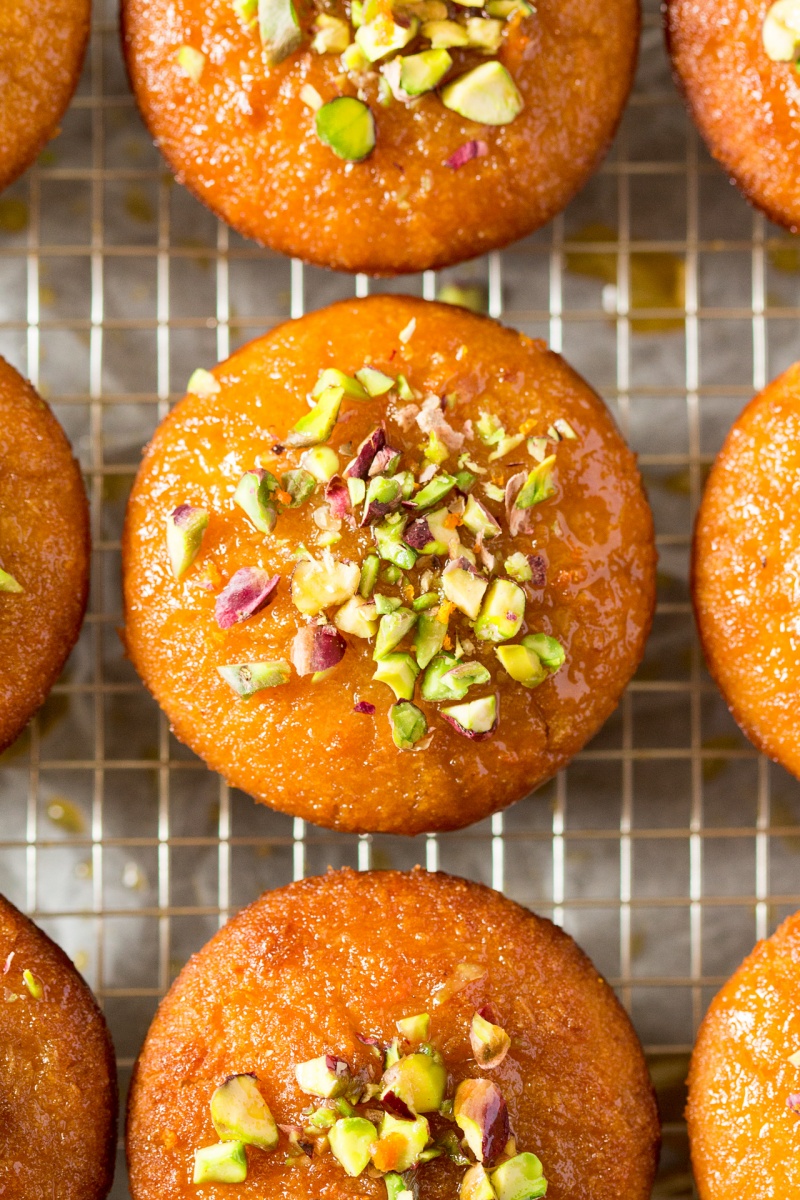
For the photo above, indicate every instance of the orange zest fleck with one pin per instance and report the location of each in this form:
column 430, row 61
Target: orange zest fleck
column 284, row 497
column 452, row 521
column 445, row 612
column 527, row 426
column 408, row 592
column 388, row 1152
column 448, row 643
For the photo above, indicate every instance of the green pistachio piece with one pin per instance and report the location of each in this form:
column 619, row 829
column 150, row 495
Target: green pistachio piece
column 374, row 382
column 33, row 984
column 408, row 724
column 355, row 60
column 279, row 28
column 447, row 678
column 415, row 1029
column 434, row 491
column 203, row 384
column 224, row 1163
column 351, row 1142
column 435, row 450
column 348, row 127
column 254, row 497
column 400, row 672
column 395, row 1187
column 428, row 600
column 404, row 1153
column 418, row 1081
column 246, row 11
column 561, row 430
column 9, row 584
column 476, row 1185
column 519, row 1178
column 416, row 74
column 392, row 1054
column 429, row 639
column 357, row 13
column 240, row 1113
column 247, row 678
column 494, row 492
column 537, row 448
column 489, row 429
column 465, row 480
column 392, row 629
column 487, row 94
column 186, row 526
column 191, row 62
column 441, row 534
column 507, row 8
column 538, row 486
column 548, row 649
column 322, row 462
column 472, row 296
column 407, row 483
column 390, row 544
column 463, row 587
column 444, row 35
column 404, row 388
column 506, row 445
column 358, row 490
column 379, row 39
column 380, row 491
column 484, row 34
column 369, row 575
column 518, row 567
column 522, row 665
column 502, row 612
column 479, row 520
column 317, row 585
column 317, row 425
column 386, row 604
column 299, row 484
column 357, row 617
column 332, row 34
column 780, row 31
column 391, row 574
column 474, row 719
column 323, row 1076
column 322, row 1118
column 331, row 377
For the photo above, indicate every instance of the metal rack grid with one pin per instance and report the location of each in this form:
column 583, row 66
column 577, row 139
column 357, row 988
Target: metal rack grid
column 668, row 846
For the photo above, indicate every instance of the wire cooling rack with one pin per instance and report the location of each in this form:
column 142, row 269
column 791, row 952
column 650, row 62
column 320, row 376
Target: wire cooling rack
column 668, row 845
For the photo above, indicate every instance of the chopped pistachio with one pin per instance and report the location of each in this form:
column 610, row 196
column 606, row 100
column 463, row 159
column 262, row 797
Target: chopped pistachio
column 395, row 1187
column 449, row 679
column 391, row 574
column 407, row 483
column 326, row 1076
column 354, row 59
column 494, row 492
column 322, row 1118
column 386, row 604
column 475, row 719
column 320, row 461
column 471, row 296
column 191, row 62
column 346, row 125
column 794, row 1059
column 253, row 495
column 400, row 672
column 247, row 678
column 444, row 35
column 224, row 1163
column 416, row 1083
column 563, row 429
column 317, row 425
column 357, row 13
column 780, row 31
column 537, row 448
column 351, row 1142
column 507, row 8
column 439, row 487
column 548, row 649
column 414, row 1029
column 464, row 587
column 502, row 612
column 357, row 617
column 414, row 74
column 279, row 28
column 381, row 494
column 310, row 97
column 481, row 1114
column 374, row 382
column 506, row 445
column 332, row 34
column 317, row 585
column 441, row 534
column 298, row 484
column 33, row 984
column 538, row 486
column 484, row 34
column 465, row 480
column 331, row 377
column 435, row 450
column 369, row 575
column 429, row 638
column 476, row 1185
column 380, row 38
column 203, row 384
column 489, row 429
column 519, row 1178
column 487, row 94
column 479, row 520
column 428, row 600
column 408, row 724
column 400, row 1143
column 9, row 584
column 390, row 544
column 358, row 490
column 518, row 567
column 404, row 388
column 186, row 526
column 393, row 628
column 490, row 1043
column 246, row 11
column 240, row 1113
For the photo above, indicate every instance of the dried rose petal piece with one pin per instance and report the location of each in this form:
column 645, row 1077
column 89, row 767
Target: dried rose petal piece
column 464, row 154
column 246, row 593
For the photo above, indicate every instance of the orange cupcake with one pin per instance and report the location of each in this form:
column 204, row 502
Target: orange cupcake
column 403, row 608
column 391, row 1035
column 744, row 1083
column 44, row 551
column 382, row 136
column 58, row 1082
column 41, row 55
column 745, row 569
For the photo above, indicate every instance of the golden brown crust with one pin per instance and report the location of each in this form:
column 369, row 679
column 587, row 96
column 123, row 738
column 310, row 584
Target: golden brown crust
column 744, row 104
column 42, row 47
column 58, row 1081
column 306, row 968
column 300, row 747
column 744, row 569
column 743, row 1135
column 243, row 141
column 44, row 544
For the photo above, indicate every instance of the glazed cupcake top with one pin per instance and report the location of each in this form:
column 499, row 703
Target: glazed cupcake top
column 403, row 532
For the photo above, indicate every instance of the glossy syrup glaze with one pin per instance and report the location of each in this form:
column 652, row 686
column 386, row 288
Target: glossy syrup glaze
column 244, row 142
column 746, row 106
column 746, row 569
column 743, row 1133
column 301, row 747
column 307, row 969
